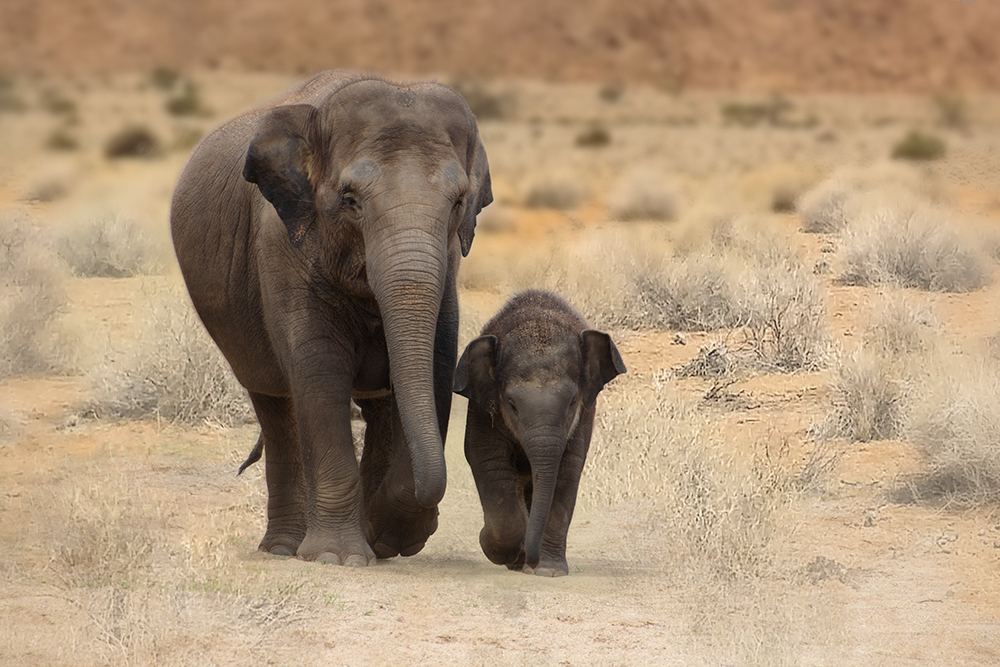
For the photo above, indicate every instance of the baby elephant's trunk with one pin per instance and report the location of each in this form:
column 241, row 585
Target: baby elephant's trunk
column 544, row 453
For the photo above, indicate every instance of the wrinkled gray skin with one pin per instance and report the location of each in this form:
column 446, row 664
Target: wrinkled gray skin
column 320, row 236
column 532, row 380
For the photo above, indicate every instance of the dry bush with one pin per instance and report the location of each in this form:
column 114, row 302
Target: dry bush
column 917, row 145
column 595, row 136
column 132, row 141
column 175, row 372
column 956, row 423
column 108, row 246
column 187, row 102
column 897, row 325
column 10, row 426
column 908, row 243
column 713, row 514
column 644, row 194
column 561, row 191
column 823, row 210
column 869, row 398
column 32, row 336
column 62, row 140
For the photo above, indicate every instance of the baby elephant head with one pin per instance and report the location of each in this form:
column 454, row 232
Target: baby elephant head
column 535, row 386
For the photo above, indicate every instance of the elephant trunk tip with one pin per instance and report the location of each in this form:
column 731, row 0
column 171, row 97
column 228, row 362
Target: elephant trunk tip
column 429, row 493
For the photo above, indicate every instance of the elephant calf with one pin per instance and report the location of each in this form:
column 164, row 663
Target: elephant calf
column 532, row 380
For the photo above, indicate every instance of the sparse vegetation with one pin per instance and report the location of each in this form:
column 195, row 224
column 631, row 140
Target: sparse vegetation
column 32, row 339
column 187, row 102
column 164, row 78
column 823, row 210
column 921, row 146
column 595, row 136
column 556, row 191
column 61, row 140
column 750, row 114
column 186, row 137
column 176, row 374
column 132, row 141
column 108, row 246
column 644, row 194
column 485, row 104
column 907, row 243
column 952, row 111
column 869, row 399
column 57, row 103
column 10, row 101
column 956, row 423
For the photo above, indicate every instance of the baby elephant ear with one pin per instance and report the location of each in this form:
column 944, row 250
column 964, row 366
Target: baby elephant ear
column 475, row 377
column 601, row 363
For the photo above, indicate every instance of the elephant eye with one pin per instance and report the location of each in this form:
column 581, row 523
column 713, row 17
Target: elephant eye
column 510, row 404
column 458, row 204
column 348, row 200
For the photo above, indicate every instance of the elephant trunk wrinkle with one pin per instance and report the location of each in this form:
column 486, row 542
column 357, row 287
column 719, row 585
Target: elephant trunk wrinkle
column 407, row 271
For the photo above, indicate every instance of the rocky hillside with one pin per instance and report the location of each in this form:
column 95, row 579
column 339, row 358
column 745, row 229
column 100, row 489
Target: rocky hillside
column 758, row 45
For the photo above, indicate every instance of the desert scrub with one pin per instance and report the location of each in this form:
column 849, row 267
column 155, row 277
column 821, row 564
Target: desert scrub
column 713, row 514
column 132, row 141
column 823, row 210
column 917, row 145
column 174, row 372
column 900, row 325
column 644, row 194
column 109, row 247
column 869, row 398
column 187, row 102
column 32, row 336
column 910, row 244
column 559, row 191
column 956, row 424
column 484, row 103
column 61, row 140
column 595, row 136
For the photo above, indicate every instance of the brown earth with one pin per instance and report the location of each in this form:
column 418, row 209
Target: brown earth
column 750, row 45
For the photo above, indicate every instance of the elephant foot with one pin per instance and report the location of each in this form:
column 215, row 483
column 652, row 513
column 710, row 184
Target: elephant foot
column 279, row 545
column 503, row 551
column 403, row 535
column 548, row 568
column 351, row 553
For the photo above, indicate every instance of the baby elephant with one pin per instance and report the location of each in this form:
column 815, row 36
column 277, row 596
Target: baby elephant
column 532, row 380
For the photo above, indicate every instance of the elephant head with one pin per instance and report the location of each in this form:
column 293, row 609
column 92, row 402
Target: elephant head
column 378, row 187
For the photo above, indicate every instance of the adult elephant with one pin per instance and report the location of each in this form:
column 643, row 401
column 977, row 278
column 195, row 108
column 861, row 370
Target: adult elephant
column 320, row 236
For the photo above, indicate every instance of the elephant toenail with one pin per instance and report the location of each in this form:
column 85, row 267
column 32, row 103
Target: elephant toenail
column 328, row 558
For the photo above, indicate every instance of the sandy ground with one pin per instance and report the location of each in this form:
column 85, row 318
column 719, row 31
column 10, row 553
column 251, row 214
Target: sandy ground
column 134, row 543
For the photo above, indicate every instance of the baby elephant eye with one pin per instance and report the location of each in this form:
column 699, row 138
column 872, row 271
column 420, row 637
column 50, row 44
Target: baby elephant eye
column 349, row 201
column 510, row 404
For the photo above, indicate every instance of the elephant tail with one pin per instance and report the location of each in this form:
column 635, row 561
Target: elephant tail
column 255, row 453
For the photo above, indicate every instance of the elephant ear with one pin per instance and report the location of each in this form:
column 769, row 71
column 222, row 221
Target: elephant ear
column 280, row 162
column 480, row 190
column 601, row 363
column 475, row 377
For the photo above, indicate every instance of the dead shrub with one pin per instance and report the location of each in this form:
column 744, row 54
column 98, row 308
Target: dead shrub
column 869, row 399
column 32, row 303
column 908, row 243
column 484, row 103
column 595, row 136
column 714, row 515
column 176, row 373
column 956, row 424
column 187, row 102
column 823, row 210
column 61, row 140
column 135, row 141
column 898, row 326
column 644, row 194
column 556, row 191
column 108, row 246
column 917, row 145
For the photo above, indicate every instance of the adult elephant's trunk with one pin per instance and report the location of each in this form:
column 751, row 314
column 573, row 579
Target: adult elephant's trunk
column 406, row 264
column 544, row 453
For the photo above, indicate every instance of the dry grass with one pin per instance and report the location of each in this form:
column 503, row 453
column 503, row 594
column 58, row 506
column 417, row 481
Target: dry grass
column 644, row 194
column 560, row 191
column 956, row 423
column 910, row 244
column 715, row 514
column 175, row 372
column 32, row 336
column 869, row 399
column 108, row 246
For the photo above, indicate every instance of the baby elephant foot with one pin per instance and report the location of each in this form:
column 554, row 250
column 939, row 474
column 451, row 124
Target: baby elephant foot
column 549, row 568
column 328, row 550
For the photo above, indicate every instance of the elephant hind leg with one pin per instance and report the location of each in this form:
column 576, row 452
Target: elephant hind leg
column 286, row 518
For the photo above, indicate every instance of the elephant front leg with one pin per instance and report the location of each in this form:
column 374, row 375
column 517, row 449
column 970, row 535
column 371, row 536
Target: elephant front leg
column 334, row 503
column 286, row 522
column 505, row 516
column 396, row 525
